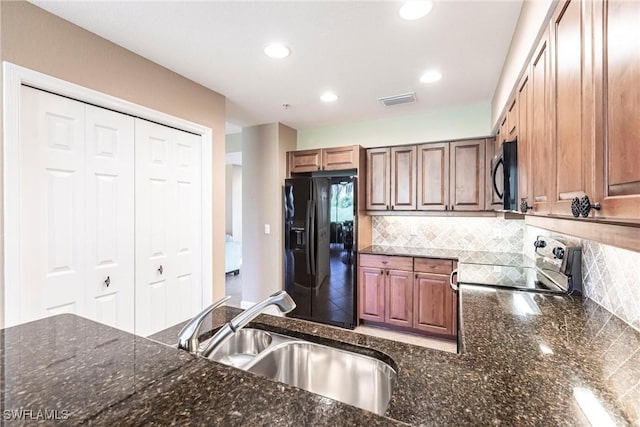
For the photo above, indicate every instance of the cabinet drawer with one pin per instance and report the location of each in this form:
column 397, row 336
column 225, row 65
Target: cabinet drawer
column 385, row 261
column 430, row 265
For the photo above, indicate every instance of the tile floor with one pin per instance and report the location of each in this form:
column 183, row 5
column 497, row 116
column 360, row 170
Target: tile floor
column 234, row 289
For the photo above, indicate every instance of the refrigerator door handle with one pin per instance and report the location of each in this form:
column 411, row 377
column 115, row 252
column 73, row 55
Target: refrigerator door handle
column 312, row 237
column 307, row 229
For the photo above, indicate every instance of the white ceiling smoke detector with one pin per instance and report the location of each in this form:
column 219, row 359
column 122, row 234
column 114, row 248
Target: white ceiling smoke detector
column 405, row 98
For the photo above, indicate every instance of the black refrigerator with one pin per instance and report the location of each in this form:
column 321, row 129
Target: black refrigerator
column 319, row 248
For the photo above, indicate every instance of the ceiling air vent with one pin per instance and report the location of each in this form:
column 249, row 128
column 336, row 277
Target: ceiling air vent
column 405, row 98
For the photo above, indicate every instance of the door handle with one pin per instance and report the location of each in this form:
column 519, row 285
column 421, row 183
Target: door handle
column 453, row 286
column 160, row 270
column 107, row 281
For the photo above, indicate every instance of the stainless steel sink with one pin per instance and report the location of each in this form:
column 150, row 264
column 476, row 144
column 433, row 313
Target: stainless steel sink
column 241, row 348
column 352, row 378
column 342, row 375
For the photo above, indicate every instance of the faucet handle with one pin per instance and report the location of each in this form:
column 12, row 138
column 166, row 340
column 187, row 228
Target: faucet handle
column 188, row 336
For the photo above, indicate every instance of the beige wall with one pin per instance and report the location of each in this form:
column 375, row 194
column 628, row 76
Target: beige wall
column 434, row 125
column 233, row 142
column 532, row 15
column 263, row 173
column 33, row 38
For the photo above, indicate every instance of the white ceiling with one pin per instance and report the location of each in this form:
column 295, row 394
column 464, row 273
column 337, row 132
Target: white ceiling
column 359, row 50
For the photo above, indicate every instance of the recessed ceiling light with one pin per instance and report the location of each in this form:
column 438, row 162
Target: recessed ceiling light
column 277, row 50
column 328, row 97
column 430, row 76
column 412, row 10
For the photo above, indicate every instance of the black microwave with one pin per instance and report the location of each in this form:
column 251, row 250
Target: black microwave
column 504, row 175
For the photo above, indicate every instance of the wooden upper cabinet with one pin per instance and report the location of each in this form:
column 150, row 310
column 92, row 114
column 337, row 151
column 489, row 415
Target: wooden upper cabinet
column 371, row 290
column 378, row 179
column 340, row 158
column 524, row 140
column 617, row 95
column 305, row 161
column 433, row 177
column 504, row 132
column 434, row 308
column 541, row 147
column 572, row 146
column 467, row 170
column 399, row 298
column 512, row 120
column 403, row 178
column 330, row 159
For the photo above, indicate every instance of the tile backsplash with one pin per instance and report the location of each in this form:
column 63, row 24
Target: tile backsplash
column 611, row 276
column 480, row 234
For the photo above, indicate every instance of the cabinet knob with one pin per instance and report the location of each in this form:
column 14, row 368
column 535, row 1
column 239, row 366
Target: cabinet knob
column 583, row 206
column 107, row 281
column 392, row 207
column 160, row 270
column 446, row 207
column 382, row 272
column 453, row 207
column 524, row 206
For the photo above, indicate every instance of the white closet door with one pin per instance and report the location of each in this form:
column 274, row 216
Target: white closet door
column 187, row 292
column 52, row 206
column 168, row 249
column 110, row 217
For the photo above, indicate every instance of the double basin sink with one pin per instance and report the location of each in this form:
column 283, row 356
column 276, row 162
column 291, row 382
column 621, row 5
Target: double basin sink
column 342, row 375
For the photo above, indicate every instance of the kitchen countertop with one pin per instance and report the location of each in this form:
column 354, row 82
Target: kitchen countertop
column 525, row 357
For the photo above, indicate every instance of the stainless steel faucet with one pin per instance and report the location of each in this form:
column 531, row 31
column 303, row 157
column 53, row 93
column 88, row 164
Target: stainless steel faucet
column 188, row 336
column 280, row 299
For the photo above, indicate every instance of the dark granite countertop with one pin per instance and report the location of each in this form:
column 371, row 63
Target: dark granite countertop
column 527, row 359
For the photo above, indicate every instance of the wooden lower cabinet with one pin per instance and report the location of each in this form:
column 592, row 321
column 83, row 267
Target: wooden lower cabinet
column 398, row 296
column 371, row 294
column 420, row 299
column 434, row 308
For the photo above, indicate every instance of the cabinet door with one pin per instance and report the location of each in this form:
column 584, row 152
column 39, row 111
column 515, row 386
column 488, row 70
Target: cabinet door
column 541, row 148
column 433, row 177
column 467, row 175
column 378, row 179
column 399, row 298
column 305, row 161
column 504, row 132
column 572, row 146
column 617, row 77
column 434, row 304
column 371, row 294
column 512, row 120
column 340, row 158
column 524, row 140
column 403, row 178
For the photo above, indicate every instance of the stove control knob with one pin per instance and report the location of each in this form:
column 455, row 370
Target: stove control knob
column 539, row 243
column 558, row 252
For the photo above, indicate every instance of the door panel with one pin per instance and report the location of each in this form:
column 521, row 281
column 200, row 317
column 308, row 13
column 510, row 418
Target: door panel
column 378, row 179
column 403, row 178
column 572, row 149
column 467, row 175
column 524, row 141
column 168, row 270
column 399, row 297
column 52, row 187
column 433, row 177
column 371, row 294
column 109, row 214
column 433, row 304
column 617, row 78
column 541, row 149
